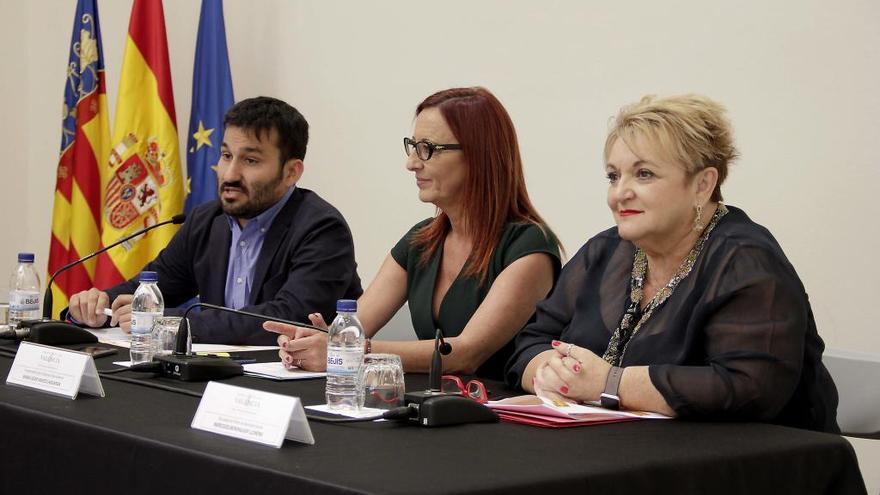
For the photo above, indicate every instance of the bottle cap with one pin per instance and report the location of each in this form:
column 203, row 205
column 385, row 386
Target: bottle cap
column 347, row 306
column 25, row 257
column 148, row 277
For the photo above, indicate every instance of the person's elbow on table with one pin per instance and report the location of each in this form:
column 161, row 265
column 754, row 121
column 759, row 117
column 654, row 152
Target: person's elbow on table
column 466, row 357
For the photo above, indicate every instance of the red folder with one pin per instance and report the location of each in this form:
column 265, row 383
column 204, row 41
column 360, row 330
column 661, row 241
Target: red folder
column 536, row 411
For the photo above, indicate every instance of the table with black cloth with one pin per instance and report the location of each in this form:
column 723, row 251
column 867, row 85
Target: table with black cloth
column 138, row 440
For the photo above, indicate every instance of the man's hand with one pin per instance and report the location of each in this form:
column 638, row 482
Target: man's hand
column 122, row 312
column 87, row 307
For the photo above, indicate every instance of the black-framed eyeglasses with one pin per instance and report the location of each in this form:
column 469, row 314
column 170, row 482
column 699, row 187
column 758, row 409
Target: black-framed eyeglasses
column 425, row 149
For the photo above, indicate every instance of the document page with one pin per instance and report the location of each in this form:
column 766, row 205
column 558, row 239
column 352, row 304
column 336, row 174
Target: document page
column 118, row 337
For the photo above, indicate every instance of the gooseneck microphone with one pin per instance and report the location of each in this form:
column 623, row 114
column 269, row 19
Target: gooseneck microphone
column 440, row 348
column 184, row 366
column 47, row 298
column 433, row 407
column 53, row 332
column 183, row 330
column 49, row 332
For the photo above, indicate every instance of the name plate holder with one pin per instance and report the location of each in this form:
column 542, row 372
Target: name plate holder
column 252, row 415
column 55, row 371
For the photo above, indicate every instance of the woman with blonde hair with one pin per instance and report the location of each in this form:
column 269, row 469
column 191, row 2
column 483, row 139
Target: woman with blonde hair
column 687, row 307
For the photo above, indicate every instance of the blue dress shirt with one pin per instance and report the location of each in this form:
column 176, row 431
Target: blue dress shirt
column 244, row 251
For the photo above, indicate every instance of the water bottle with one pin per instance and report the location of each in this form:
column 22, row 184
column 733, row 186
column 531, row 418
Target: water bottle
column 345, row 353
column 24, row 291
column 146, row 306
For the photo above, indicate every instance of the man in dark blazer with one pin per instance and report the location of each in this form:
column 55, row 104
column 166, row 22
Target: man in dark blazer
column 266, row 246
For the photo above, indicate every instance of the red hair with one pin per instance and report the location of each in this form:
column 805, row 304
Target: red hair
column 495, row 190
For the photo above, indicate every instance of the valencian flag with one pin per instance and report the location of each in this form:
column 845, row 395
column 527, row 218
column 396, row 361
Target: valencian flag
column 143, row 179
column 85, row 139
column 212, row 96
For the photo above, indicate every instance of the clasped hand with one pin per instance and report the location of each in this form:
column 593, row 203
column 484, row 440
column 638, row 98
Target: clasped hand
column 571, row 373
column 301, row 347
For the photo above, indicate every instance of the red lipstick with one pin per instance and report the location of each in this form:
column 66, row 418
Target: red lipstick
column 627, row 213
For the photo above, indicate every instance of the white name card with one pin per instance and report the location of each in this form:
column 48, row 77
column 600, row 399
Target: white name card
column 252, row 415
column 55, row 371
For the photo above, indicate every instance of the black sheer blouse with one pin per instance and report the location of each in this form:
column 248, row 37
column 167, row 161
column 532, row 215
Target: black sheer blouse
column 735, row 341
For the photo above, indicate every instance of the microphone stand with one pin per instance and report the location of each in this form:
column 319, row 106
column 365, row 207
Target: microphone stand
column 184, row 366
column 55, row 332
column 433, row 407
column 47, row 297
column 440, row 347
column 183, row 330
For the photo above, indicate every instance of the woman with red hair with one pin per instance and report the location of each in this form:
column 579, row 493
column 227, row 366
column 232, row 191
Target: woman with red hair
column 476, row 269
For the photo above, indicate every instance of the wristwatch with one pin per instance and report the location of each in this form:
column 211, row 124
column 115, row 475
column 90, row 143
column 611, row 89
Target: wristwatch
column 610, row 398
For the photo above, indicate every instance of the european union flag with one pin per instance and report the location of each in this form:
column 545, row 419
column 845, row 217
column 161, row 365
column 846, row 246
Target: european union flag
column 211, row 97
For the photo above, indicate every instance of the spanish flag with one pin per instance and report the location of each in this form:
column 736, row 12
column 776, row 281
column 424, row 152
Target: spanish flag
column 142, row 178
column 85, row 140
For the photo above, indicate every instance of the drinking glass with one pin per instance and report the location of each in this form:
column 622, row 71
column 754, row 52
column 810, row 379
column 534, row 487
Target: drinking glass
column 380, row 381
column 165, row 334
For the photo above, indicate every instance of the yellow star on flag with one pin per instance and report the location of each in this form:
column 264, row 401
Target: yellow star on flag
column 202, row 136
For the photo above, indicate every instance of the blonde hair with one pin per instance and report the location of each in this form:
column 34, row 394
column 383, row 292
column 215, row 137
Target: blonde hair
column 690, row 130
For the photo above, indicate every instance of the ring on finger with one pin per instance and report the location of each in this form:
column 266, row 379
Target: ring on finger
column 568, row 350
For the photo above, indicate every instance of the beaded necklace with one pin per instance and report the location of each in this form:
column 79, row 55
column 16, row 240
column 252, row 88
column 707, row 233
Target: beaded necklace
column 625, row 331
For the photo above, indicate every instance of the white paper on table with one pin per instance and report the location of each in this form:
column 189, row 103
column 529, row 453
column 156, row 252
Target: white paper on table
column 364, row 412
column 113, row 336
column 117, row 336
column 232, row 348
column 276, row 371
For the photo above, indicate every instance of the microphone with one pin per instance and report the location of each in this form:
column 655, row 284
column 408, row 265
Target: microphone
column 50, row 332
column 183, row 330
column 433, row 407
column 47, row 299
column 440, row 347
column 54, row 332
column 189, row 368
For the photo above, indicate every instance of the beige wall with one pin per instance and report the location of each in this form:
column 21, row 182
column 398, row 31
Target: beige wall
column 800, row 80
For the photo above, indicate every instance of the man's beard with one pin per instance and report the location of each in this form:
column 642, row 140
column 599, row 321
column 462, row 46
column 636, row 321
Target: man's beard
column 259, row 198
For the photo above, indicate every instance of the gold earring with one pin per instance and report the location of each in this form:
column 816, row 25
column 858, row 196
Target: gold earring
column 698, row 221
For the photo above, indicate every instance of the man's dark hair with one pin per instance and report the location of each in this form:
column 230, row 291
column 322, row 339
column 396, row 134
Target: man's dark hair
column 262, row 114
